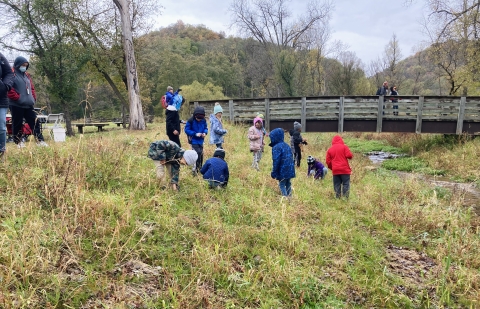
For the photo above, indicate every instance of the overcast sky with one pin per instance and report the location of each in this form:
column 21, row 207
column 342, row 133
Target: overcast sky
column 365, row 25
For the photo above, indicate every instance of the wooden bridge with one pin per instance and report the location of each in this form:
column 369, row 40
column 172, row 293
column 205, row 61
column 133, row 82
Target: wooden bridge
column 415, row 114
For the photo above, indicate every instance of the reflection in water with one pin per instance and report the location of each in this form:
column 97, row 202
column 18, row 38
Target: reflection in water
column 468, row 192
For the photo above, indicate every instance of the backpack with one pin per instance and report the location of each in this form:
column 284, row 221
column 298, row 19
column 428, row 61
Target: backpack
column 163, row 100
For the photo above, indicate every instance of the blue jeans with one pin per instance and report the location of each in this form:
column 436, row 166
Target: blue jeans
column 285, row 187
column 3, row 128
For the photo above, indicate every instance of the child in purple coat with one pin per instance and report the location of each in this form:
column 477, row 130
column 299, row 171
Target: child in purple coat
column 316, row 168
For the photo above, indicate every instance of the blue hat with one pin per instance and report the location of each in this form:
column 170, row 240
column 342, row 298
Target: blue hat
column 217, row 108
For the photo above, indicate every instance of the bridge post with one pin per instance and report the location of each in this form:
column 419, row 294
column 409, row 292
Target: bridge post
column 461, row 115
column 230, row 110
column 380, row 114
column 418, row 128
column 267, row 114
column 303, row 119
column 341, row 114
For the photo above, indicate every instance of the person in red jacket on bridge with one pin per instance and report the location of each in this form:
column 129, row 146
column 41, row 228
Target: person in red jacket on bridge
column 337, row 161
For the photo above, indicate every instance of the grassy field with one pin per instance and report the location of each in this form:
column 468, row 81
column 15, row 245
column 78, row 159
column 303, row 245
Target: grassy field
column 85, row 225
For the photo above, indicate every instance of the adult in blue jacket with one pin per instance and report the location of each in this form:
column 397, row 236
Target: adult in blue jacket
column 6, row 83
column 283, row 168
column 196, row 130
column 215, row 170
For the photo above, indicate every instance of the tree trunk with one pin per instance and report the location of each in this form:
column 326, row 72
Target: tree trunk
column 137, row 121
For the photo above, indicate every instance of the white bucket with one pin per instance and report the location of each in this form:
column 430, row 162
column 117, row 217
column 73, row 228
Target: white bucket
column 59, row 134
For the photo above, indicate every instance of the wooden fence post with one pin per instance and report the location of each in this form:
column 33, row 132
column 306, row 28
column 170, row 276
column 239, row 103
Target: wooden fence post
column 303, row 119
column 341, row 114
column 230, row 110
column 461, row 115
column 267, row 114
column 418, row 128
column 380, row 114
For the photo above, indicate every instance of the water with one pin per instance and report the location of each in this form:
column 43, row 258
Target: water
column 469, row 193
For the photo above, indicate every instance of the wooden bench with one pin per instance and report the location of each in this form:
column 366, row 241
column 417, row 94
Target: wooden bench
column 98, row 125
column 118, row 123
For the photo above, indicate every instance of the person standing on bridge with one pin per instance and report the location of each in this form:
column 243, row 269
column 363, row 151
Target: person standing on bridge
column 394, row 92
column 337, row 161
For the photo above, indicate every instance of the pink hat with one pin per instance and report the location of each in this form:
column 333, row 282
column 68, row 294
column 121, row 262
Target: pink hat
column 257, row 119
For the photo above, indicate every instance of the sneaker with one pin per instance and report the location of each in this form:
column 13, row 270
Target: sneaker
column 21, row 145
column 42, row 144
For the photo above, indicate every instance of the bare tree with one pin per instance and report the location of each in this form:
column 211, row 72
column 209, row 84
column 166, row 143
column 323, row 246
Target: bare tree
column 270, row 22
column 393, row 69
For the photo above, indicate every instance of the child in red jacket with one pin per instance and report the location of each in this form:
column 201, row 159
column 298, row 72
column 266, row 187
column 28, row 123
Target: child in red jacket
column 337, row 161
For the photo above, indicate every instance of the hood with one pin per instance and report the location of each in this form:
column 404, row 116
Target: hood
column 337, row 139
column 19, row 61
column 257, row 119
column 276, row 136
column 199, row 110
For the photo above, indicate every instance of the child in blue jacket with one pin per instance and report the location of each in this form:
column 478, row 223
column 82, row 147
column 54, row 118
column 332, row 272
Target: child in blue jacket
column 196, row 130
column 215, row 170
column 283, row 167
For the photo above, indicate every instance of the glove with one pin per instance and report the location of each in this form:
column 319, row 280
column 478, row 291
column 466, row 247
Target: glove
column 178, row 90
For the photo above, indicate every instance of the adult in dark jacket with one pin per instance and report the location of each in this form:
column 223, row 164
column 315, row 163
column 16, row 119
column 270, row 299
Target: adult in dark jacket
column 337, row 161
column 215, row 170
column 6, row 83
column 196, row 129
column 172, row 117
column 283, row 168
column 22, row 99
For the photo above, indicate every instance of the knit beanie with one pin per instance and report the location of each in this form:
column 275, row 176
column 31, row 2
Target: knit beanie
column 297, row 125
column 260, row 115
column 219, row 152
column 257, row 119
column 190, row 157
column 217, row 109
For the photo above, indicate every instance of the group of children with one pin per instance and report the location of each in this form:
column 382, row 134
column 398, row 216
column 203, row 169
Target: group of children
column 169, row 155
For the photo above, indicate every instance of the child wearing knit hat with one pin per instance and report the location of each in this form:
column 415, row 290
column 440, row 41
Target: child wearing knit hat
column 296, row 142
column 215, row 170
column 167, row 154
column 216, row 126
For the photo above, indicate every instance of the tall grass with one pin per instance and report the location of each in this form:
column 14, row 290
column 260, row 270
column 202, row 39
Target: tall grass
column 84, row 224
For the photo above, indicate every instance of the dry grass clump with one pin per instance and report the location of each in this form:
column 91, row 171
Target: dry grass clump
column 84, row 224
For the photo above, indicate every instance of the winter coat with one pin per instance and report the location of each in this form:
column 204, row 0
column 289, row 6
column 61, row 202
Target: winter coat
column 6, row 80
column 216, row 130
column 169, row 96
column 318, row 167
column 193, row 127
column 282, row 157
column 215, row 169
column 337, row 157
column 22, row 94
column 256, row 139
column 165, row 150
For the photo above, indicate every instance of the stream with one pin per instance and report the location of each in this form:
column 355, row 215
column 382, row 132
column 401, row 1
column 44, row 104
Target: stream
column 469, row 191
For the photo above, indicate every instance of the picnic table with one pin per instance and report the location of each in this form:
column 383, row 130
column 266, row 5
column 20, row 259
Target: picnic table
column 99, row 125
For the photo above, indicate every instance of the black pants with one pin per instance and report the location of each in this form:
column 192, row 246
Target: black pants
column 18, row 114
column 175, row 138
column 298, row 154
column 341, row 185
column 199, row 150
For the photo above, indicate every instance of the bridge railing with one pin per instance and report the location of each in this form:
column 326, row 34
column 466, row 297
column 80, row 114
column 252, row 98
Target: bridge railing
column 420, row 114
